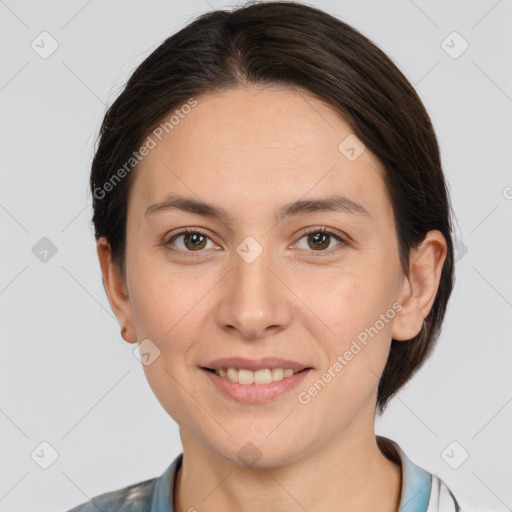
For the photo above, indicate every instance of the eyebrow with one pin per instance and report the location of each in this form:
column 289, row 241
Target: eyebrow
column 334, row 203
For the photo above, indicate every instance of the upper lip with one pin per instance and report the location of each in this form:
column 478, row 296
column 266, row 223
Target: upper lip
column 254, row 364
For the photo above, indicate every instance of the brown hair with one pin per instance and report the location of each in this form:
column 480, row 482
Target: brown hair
column 301, row 46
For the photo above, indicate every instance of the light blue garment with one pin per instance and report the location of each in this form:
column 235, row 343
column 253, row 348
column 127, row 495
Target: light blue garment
column 156, row 494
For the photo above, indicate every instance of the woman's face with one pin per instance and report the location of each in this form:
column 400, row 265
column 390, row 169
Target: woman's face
column 255, row 284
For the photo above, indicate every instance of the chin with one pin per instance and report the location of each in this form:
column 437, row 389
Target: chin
column 264, row 454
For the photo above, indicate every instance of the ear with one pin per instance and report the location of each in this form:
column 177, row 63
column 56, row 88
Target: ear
column 116, row 290
column 419, row 290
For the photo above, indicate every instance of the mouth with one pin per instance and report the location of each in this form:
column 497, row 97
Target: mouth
column 253, row 387
column 250, row 380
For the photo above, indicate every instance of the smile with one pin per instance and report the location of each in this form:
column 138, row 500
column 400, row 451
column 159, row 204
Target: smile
column 252, row 387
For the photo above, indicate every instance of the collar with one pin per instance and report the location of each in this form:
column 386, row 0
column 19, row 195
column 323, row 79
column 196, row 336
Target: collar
column 416, row 481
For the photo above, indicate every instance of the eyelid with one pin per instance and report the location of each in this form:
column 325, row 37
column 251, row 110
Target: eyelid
column 188, row 230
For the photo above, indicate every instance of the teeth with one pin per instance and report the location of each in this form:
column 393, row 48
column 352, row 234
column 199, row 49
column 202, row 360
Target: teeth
column 242, row 376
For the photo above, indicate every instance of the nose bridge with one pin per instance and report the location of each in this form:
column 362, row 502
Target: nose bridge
column 251, row 272
column 254, row 297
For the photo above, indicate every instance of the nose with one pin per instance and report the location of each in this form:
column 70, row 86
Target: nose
column 254, row 302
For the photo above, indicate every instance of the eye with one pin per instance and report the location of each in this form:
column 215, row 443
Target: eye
column 194, row 240
column 319, row 239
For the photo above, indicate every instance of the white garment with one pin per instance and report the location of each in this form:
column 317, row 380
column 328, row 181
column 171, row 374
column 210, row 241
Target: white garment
column 423, row 491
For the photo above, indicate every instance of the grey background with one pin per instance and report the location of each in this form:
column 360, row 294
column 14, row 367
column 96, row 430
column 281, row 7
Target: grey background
column 67, row 376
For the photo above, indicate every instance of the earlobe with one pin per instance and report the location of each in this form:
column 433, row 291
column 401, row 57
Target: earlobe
column 116, row 290
column 419, row 289
column 127, row 335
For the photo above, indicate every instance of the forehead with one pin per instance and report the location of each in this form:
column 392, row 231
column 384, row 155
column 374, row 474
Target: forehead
column 259, row 147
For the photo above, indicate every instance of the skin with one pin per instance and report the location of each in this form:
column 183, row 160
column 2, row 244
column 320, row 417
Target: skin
column 252, row 150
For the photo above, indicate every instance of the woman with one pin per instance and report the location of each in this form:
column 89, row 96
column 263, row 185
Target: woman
column 274, row 231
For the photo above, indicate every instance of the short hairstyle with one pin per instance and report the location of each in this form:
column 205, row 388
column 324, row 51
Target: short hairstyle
column 291, row 44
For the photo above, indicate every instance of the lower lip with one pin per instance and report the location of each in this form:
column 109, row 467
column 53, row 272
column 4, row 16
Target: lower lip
column 256, row 393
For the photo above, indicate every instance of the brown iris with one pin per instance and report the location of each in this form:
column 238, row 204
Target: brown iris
column 196, row 240
column 319, row 240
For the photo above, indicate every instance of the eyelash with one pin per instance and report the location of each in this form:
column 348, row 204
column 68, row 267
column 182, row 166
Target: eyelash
column 195, row 254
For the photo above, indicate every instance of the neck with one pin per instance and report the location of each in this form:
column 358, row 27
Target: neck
column 351, row 476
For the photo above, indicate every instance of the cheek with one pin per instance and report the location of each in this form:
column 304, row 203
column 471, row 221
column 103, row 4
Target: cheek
column 356, row 350
column 163, row 303
column 358, row 312
column 168, row 315
column 171, row 311
column 351, row 304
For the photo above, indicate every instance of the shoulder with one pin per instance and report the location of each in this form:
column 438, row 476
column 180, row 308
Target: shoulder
column 133, row 498
column 151, row 494
column 442, row 499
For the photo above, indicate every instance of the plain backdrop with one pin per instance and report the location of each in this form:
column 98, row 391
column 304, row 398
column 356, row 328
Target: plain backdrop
column 68, row 379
